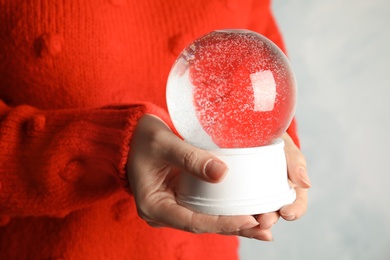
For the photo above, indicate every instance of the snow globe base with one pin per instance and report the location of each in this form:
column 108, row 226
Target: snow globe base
column 256, row 183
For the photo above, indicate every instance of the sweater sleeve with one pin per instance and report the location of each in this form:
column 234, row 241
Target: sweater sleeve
column 53, row 162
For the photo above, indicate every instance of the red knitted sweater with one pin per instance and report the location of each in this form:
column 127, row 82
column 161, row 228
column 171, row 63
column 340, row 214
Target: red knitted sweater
column 75, row 76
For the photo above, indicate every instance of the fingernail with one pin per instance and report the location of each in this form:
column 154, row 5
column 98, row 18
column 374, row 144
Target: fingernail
column 266, row 239
column 215, row 169
column 304, row 176
column 288, row 216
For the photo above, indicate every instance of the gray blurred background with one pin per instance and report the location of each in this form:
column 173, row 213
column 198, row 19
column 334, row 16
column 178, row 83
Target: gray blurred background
column 340, row 53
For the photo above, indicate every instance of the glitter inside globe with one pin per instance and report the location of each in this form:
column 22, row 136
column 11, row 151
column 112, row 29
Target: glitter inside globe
column 231, row 89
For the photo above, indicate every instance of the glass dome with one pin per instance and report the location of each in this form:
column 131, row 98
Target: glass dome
column 231, row 89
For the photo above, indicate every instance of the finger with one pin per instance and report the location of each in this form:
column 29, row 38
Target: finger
column 195, row 161
column 187, row 220
column 164, row 144
column 256, row 233
column 267, row 220
column 298, row 208
column 296, row 164
column 155, row 224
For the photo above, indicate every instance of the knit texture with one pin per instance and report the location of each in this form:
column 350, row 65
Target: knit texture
column 75, row 77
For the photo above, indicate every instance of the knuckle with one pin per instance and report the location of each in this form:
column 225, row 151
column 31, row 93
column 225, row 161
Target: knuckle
column 193, row 229
column 154, row 141
column 227, row 230
column 190, row 159
column 194, row 226
column 302, row 207
column 296, row 153
column 300, row 161
column 297, row 157
column 143, row 214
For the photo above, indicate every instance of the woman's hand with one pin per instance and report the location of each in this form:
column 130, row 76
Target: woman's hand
column 299, row 179
column 156, row 157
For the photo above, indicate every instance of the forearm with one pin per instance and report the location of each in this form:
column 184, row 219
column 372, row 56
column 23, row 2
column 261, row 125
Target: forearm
column 52, row 162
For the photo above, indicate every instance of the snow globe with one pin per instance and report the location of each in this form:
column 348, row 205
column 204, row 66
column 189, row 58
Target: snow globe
column 233, row 93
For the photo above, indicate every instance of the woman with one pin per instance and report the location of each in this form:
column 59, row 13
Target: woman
column 82, row 90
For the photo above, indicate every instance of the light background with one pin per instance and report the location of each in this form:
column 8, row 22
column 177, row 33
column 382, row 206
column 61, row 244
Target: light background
column 340, row 53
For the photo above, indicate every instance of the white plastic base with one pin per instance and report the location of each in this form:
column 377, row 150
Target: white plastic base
column 256, row 183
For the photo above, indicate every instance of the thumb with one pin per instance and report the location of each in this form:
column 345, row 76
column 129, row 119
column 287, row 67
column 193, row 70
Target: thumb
column 195, row 161
column 296, row 164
